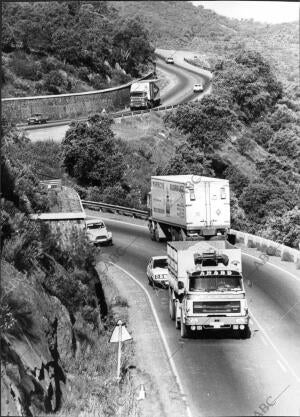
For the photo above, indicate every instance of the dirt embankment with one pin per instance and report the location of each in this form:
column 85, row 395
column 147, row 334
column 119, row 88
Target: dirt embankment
column 149, row 367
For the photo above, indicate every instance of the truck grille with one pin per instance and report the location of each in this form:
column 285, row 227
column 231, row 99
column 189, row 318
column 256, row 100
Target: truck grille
column 215, row 307
column 101, row 237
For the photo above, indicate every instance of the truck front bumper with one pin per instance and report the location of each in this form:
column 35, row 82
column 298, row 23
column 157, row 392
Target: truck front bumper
column 217, row 322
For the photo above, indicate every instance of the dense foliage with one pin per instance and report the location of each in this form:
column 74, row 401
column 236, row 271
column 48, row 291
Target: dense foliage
column 70, row 46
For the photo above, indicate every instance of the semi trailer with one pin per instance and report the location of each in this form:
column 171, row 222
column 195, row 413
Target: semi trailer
column 206, row 288
column 144, row 94
column 185, row 207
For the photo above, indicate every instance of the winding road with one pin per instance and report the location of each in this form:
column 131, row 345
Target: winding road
column 183, row 76
column 223, row 375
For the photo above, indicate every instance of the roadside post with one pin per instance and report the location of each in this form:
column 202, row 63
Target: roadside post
column 120, row 334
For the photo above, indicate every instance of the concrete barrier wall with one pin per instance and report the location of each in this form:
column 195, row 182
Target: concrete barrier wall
column 257, row 241
column 67, row 106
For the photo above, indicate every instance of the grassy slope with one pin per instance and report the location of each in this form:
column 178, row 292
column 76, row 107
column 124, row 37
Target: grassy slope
column 174, row 24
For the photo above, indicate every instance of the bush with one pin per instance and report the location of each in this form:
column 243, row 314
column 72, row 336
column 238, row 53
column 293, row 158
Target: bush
column 287, row 257
column 251, row 244
column 271, row 250
column 25, row 68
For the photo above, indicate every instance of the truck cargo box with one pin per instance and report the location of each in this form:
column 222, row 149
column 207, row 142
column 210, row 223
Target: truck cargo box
column 182, row 254
column 191, row 202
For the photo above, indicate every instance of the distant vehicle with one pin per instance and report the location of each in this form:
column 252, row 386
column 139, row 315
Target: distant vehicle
column 36, row 119
column 170, row 60
column 157, row 270
column 97, row 232
column 144, row 94
column 198, row 87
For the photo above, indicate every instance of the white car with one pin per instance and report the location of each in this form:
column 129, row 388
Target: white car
column 97, row 232
column 198, row 87
column 170, row 60
column 157, row 270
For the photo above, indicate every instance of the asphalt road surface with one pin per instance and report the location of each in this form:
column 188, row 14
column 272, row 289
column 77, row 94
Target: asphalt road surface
column 221, row 374
column 175, row 93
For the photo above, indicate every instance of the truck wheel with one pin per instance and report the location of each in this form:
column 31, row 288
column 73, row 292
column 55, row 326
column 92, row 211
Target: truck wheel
column 246, row 333
column 183, row 329
column 172, row 308
column 177, row 323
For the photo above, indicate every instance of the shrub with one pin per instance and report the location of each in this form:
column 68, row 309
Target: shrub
column 251, row 244
column 287, row 257
column 271, row 251
column 25, row 68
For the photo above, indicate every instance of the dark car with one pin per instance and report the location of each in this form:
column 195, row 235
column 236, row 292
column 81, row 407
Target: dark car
column 37, row 118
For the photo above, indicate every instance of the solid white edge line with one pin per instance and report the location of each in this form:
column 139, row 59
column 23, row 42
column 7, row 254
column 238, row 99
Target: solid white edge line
column 264, row 340
column 275, row 348
column 163, row 337
column 274, row 266
column 281, row 366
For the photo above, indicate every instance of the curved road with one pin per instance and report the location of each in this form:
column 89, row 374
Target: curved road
column 223, row 375
column 178, row 91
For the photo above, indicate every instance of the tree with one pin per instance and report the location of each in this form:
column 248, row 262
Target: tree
column 286, row 143
column 91, row 153
column 208, row 122
column 187, row 160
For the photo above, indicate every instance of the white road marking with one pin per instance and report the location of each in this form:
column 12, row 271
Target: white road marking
column 264, row 340
column 276, row 349
column 281, row 366
column 275, row 266
column 162, row 335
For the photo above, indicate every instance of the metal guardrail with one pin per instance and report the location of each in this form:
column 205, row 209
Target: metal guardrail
column 116, row 209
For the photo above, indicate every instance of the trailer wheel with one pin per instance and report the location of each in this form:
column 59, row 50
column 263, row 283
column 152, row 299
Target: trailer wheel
column 172, row 309
column 183, row 329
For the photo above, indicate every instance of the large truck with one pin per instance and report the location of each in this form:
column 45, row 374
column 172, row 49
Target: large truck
column 206, row 289
column 185, row 207
column 144, row 94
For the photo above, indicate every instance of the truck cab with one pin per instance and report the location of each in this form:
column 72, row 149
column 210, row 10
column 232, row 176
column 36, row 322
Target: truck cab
column 210, row 294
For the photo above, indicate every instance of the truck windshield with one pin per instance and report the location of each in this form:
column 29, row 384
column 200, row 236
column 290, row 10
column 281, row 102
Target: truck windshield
column 160, row 263
column 215, row 283
column 137, row 94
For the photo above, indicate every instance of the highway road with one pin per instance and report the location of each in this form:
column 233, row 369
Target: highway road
column 221, row 374
column 178, row 91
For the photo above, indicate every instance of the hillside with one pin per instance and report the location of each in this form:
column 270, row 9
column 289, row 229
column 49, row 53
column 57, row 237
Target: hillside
column 66, row 47
column 181, row 25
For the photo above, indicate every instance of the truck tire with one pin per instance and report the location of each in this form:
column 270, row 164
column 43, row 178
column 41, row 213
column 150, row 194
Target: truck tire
column 177, row 323
column 246, row 333
column 183, row 329
column 172, row 309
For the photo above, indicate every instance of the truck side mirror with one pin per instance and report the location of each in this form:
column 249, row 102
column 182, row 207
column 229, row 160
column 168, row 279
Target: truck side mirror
column 180, row 285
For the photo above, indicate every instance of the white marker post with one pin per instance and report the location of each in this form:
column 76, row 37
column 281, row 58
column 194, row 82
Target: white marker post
column 119, row 335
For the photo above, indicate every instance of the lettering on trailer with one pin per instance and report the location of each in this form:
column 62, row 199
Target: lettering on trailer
column 176, row 187
column 158, row 184
column 205, row 273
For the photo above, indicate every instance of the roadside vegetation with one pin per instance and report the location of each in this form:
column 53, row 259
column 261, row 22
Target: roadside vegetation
column 65, row 47
column 181, row 25
column 246, row 131
column 55, row 321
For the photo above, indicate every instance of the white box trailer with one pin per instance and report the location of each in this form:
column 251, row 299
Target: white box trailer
column 206, row 289
column 144, row 94
column 184, row 206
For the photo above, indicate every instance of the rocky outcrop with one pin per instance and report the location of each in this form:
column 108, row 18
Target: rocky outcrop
column 34, row 348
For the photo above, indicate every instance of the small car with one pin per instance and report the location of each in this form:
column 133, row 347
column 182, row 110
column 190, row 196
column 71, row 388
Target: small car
column 37, row 118
column 198, row 87
column 170, row 60
column 97, row 232
column 157, row 270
